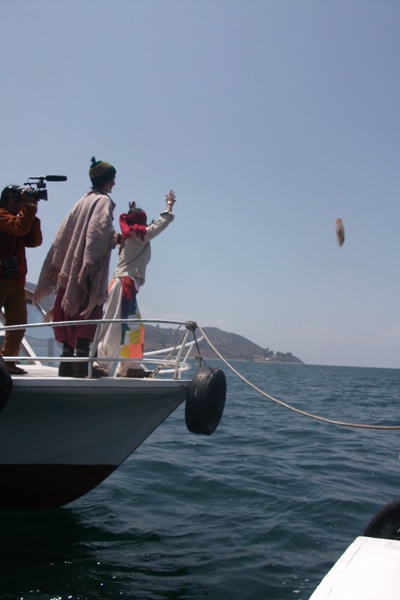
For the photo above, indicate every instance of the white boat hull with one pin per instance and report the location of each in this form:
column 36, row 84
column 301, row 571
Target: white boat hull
column 58, row 442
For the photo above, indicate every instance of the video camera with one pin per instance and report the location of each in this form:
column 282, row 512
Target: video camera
column 37, row 189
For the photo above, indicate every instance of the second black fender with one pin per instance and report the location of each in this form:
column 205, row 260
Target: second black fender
column 386, row 523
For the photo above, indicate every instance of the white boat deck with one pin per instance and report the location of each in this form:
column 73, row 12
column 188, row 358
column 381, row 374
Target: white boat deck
column 39, row 375
column 368, row 570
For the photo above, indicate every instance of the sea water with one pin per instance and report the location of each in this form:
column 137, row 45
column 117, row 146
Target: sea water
column 261, row 509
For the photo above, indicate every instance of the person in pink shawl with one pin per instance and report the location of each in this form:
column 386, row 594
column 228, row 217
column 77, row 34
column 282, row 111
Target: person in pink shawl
column 126, row 340
column 76, row 268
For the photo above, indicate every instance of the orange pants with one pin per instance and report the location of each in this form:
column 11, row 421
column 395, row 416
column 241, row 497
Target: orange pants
column 12, row 300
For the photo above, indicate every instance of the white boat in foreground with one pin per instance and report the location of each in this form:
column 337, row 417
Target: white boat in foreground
column 61, row 436
column 369, row 569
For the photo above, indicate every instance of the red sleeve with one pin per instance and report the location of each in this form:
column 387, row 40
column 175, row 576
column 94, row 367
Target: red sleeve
column 18, row 225
column 124, row 225
column 34, row 238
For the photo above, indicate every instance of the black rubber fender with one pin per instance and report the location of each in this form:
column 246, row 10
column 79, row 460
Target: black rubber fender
column 5, row 384
column 205, row 401
column 386, row 523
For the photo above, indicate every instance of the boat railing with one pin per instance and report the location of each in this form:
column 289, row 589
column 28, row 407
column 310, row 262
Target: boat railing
column 165, row 361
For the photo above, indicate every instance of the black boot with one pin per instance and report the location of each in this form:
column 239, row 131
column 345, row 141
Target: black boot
column 80, row 369
column 65, row 368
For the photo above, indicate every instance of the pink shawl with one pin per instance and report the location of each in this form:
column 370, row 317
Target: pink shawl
column 79, row 257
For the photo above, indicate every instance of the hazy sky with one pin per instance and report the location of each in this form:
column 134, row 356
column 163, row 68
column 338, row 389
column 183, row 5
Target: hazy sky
column 269, row 118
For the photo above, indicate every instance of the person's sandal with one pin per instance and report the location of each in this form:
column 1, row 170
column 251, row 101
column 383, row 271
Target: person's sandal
column 14, row 370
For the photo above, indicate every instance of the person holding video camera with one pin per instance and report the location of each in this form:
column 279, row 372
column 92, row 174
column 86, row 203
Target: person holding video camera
column 19, row 229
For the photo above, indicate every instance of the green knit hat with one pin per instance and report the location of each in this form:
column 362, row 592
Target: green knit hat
column 100, row 172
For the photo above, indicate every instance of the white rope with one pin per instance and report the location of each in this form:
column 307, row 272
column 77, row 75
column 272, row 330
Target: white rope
column 288, row 406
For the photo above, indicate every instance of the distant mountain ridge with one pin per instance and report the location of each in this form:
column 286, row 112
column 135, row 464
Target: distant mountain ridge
column 230, row 345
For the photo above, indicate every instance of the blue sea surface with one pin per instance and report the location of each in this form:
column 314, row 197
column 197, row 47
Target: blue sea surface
column 261, row 509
